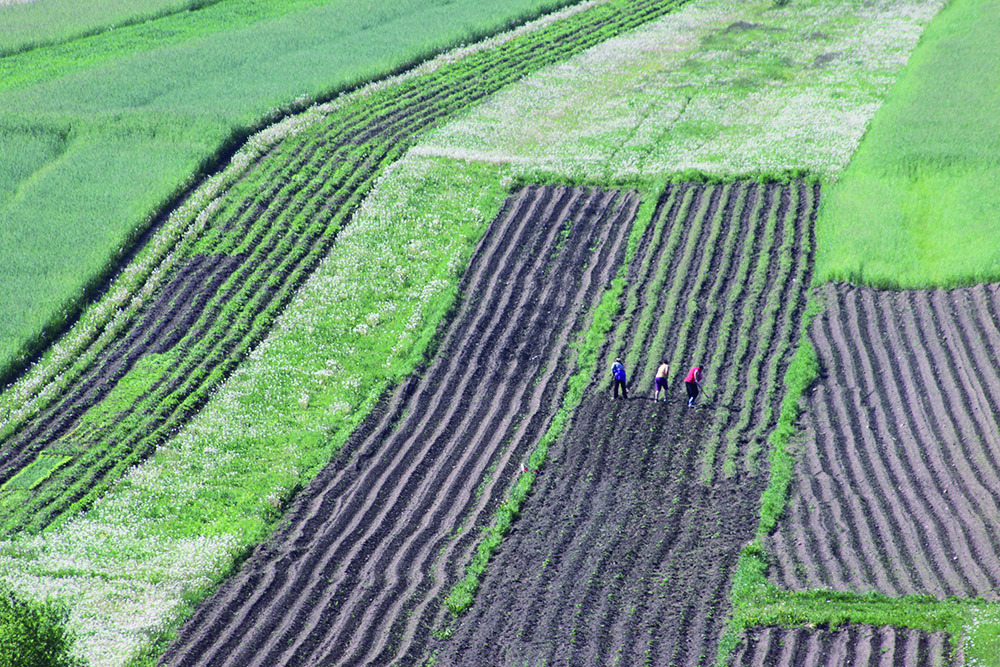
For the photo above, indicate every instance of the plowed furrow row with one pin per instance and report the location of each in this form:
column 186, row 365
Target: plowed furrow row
column 860, row 646
column 623, row 555
column 336, row 585
column 898, row 488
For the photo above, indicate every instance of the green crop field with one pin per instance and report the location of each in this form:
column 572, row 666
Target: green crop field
column 922, row 194
column 301, row 274
column 100, row 133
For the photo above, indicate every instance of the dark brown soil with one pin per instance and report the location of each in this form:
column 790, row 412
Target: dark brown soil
column 857, row 646
column 623, row 553
column 897, row 486
column 356, row 574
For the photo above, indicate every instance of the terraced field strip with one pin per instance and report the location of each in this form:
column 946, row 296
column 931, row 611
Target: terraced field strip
column 623, row 554
column 357, row 573
column 221, row 276
column 860, row 646
column 897, row 489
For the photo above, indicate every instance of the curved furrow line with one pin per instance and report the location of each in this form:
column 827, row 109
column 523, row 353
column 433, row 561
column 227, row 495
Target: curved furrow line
column 326, row 493
column 790, row 317
column 967, row 540
column 694, row 309
column 893, row 489
column 451, row 554
column 726, row 254
column 557, row 302
column 754, row 396
column 676, row 249
column 979, row 538
column 976, row 352
column 663, row 258
column 870, row 504
column 942, row 507
column 360, row 498
column 863, row 645
column 577, row 465
column 978, row 419
column 382, row 559
column 641, row 273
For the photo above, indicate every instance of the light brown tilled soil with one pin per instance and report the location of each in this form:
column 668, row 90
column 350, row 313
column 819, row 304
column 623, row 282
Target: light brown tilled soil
column 357, row 573
column 855, row 646
column 897, row 486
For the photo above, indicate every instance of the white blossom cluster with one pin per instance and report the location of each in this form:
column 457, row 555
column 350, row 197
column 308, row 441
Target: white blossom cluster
column 723, row 86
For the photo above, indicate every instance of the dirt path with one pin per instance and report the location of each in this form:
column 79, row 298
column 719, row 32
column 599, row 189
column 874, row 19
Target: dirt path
column 623, row 553
column 898, row 485
column 860, row 646
column 358, row 569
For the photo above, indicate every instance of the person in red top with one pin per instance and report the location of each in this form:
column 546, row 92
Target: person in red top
column 692, row 382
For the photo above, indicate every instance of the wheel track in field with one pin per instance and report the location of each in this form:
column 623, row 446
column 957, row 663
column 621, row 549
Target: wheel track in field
column 270, row 254
column 861, row 646
column 623, row 553
column 899, row 452
column 355, row 566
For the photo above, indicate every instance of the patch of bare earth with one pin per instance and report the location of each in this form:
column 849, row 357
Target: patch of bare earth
column 358, row 571
column 897, row 485
column 859, row 646
column 624, row 552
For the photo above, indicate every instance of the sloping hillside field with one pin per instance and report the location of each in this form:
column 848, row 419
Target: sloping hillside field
column 133, row 381
column 898, row 487
column 358, row 570
column 861, row 646
column 624, row 554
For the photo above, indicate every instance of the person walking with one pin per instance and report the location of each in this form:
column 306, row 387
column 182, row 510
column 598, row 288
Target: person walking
column 618, row 372
column 660, row 381
column 693, row 381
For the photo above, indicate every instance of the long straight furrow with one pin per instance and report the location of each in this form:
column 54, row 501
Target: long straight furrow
column 898, row 487
column 265, row 236
column 351, row 576
column 623, row 554
column 859, row 646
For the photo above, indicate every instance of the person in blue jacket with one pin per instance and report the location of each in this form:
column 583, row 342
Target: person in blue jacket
column 618, row 371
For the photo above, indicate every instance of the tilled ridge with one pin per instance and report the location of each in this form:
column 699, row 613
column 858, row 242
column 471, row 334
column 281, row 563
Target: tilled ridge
column 897, row 489
column 358, row 569
column 623, row 553
column 859, row 646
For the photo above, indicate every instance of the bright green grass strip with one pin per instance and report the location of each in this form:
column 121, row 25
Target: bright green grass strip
column 917, row 207
column 90, row 156
column 34, row 474
column 589, row 347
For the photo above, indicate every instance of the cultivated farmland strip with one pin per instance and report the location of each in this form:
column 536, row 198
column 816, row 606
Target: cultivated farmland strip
column 276, row 221
column 898, row 448
column 861, row 646
column 623, row 554
column 346, row 580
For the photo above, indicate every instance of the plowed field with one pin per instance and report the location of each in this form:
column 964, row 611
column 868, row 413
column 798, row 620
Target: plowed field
column 624, row 553
column 863, row 646
column 357, row 572
column 897, row 488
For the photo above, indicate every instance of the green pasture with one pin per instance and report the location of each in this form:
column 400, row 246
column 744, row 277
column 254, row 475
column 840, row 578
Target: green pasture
column 918, row 205
column 31, row 24
column 91, row 154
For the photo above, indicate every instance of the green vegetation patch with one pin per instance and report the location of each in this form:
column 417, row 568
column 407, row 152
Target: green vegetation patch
column 921, row 196
column 97, row 141
column 34, row 634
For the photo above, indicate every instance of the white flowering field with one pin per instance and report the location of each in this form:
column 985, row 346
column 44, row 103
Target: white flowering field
column 720, row 86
